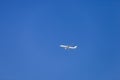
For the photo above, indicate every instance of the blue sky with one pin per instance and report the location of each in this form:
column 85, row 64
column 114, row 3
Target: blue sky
column 31, row 32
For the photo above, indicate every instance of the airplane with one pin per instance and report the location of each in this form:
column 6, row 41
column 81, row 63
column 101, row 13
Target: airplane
column 68, row 47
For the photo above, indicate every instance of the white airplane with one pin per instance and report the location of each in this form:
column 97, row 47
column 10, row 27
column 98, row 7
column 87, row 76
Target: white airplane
column 68, row 47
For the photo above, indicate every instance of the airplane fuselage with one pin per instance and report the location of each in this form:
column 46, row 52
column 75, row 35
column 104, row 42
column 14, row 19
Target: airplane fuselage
column 68, row 47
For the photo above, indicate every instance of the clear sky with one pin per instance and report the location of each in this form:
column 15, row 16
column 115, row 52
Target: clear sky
column 32, row 30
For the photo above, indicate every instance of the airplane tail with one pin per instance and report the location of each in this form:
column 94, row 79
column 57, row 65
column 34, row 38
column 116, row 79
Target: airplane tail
column 75, row 46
